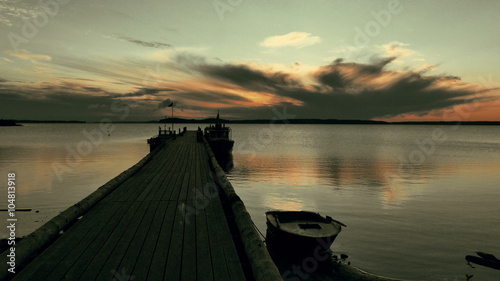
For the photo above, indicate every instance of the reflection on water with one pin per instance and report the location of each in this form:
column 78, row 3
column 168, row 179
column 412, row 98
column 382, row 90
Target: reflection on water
column 275, row 201
column 225, row 161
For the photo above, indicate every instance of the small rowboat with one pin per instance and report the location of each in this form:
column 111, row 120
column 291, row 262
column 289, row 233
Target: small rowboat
column 219, row 137
column 484, row 259
column 301, row 232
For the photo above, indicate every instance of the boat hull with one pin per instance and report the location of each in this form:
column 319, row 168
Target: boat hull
column 495, row 264
column 301, row 242
column 297, row 245
column 222, row 150
column 221, row 146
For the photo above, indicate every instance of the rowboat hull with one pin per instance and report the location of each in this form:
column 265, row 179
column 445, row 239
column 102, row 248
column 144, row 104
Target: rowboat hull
column 491, row 263
column 300, row 232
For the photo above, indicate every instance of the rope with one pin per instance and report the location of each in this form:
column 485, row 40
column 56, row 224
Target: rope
column 264, row 237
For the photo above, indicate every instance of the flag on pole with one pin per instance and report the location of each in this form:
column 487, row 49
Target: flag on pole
column 172, row 106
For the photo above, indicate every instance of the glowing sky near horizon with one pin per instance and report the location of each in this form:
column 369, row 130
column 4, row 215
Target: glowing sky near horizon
column 384, row 60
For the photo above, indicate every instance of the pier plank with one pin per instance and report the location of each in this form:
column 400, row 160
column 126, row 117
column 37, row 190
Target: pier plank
column 220, row 270
column 145, row 233
column 145, row 257
column 160, row 254
column 111, row 238
column 44, row 265
column 204, row 259
column 174, row 258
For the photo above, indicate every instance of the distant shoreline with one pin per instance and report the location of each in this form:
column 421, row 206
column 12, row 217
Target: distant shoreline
column 48, row 121
column 265, row 121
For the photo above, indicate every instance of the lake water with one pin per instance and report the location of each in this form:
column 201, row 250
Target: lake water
column 416, row 199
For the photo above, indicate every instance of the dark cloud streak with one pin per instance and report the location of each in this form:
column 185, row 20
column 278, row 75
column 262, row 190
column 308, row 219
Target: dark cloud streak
column 67, row 101
column 152, row 44
column 245, row 76
column 213, row 97
column 146, row 92
column 347, row 90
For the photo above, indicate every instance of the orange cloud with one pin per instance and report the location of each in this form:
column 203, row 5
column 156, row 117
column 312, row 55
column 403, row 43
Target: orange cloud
column 483, row 106
column 33, row 57
column 397, row 49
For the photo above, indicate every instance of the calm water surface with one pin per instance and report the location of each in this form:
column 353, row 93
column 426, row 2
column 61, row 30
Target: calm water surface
column 416, row 199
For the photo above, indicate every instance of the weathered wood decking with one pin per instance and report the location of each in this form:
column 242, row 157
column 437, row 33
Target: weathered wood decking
column 139, row 231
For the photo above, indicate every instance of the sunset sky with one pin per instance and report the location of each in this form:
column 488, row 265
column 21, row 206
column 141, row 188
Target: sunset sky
column 381, row 60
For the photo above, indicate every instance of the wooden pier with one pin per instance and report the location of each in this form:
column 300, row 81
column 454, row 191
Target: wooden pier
column 169, row 218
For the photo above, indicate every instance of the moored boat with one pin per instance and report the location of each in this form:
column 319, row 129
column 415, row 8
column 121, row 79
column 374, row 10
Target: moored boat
column 218, row 137
column 301, row 232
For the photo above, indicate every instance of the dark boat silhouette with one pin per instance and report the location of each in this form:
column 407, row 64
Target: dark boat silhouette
column 484, row 259
column 218, row 137
column 8, row 123
column 301, row 232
